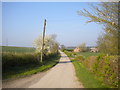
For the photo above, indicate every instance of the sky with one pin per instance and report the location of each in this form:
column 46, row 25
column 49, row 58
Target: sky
column 22, row 23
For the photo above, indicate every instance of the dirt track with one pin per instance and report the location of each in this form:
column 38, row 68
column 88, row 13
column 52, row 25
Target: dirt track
column 60, row 76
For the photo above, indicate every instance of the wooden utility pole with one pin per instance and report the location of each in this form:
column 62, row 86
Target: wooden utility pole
column 43, row 41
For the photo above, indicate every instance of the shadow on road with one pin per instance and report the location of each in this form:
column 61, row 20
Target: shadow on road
column 64, row 56
column 64, row 62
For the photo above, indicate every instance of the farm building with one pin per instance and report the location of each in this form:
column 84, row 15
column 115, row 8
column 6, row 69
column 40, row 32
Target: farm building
column 77, row 49
column 94, row 50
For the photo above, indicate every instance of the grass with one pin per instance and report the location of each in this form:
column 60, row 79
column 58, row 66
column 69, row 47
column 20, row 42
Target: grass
column 87, row 54
column 17, row 49
column 31, row 68
column 87, row 78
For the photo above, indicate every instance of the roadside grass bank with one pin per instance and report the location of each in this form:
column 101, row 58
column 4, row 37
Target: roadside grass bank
column 87, row 78
column 22, row 70
column 97, row 70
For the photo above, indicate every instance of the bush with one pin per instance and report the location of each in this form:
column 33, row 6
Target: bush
column 105, row 67
column 90, row 62
column 50, row 55
column 74, row 54
column 15, row 65
column 12, row 60
column 100, row 56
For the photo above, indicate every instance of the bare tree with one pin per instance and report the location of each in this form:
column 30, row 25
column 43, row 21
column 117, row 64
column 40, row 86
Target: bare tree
column 105, row 13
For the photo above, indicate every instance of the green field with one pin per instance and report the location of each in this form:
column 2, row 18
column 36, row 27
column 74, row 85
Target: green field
column 17, row 49
column 87, row 54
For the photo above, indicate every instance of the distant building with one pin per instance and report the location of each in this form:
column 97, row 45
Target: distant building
column 77, row 49
column 94, row 50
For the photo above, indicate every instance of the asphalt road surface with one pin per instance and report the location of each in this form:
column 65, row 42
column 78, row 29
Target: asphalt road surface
column 60, row 76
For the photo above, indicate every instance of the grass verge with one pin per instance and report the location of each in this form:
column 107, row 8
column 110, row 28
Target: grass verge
column 87, row 54
column 30, row 69
column 87, row 78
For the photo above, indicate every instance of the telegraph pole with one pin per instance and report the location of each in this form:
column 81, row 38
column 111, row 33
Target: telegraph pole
column 43, row 41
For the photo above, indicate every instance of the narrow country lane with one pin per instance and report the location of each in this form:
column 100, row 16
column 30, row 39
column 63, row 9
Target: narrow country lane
column 60, row 76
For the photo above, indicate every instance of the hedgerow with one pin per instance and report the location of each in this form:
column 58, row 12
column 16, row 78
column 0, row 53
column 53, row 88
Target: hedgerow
column 103, row 66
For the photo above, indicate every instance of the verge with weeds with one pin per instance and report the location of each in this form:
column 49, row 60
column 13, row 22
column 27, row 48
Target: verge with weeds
column 87, row 78
column 96, row 71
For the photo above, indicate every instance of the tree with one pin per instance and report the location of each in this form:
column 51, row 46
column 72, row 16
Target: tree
column 82, row 47
column 51, row 45
column 105, row 13
column 62, row 47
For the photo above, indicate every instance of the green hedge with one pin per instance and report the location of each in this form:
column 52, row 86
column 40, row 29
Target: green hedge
column 107, row 68
column 12, row 60
column 104, row 67
column 19, row 65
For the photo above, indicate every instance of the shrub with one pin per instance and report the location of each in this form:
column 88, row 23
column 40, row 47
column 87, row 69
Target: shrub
column 12, row 60
column 105, row 67
column 108, row 70
column 90, row 62
column 74, row 54
column 100, row 56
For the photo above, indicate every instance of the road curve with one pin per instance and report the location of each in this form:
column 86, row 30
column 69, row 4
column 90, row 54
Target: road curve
column 60, row 76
